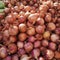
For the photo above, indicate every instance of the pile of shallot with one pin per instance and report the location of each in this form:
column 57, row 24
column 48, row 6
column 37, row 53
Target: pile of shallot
column 30, row 30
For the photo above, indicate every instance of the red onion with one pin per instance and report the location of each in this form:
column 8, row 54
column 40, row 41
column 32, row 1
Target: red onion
column 31, row 31
column 13, row 30
column 21, row 52
column 22, row 36
column 28, row 47
column 52, row 46
column 40, row 29
column 21, row 19
column 12, row 48
column 45, row 43
column 27, row 8
column 15, row 57
column 6, row 33
column 7, row 58
column 46, row 35
column 36, row 53
column 39, row 37
column 37, row 44
column 49, row 54
column 13, row 39
column 22, row 27
column 3, row 52
column 20, row 44
column 57, row 55
column 48, row 17
column 54, row 37
column 10, row 19
column 31, row 39
column 40, row 21
column 51, row 26
column 32, row 18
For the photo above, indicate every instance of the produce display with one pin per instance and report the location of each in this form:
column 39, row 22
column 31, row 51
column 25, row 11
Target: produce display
column 29, row 29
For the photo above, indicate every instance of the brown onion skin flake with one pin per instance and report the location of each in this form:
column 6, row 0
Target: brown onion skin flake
column 30, row 30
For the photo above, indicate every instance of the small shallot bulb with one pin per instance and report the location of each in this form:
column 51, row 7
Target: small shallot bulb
column 15, row 57
column 35, row 53
column 27, row 14
column 40, row 21
column 43, row 8
column 48, row 17
column 31, row 39
column 57, row 55
column 21, row 52
column 22, row 36
column 51, row 26
column 10, row 19
column 37, row 44
column 3, row 52
column 38, row 37
column 25, row 57
column 7, row 58
column 31, row 31
column 22, row 27
column 46, row 34
column 49, row 54
column 45, row 43
column 20, row 44
column 27, row 8
column 57, row 31
column 13, row 39
column 32, row 18
column 12, row 48
column 15, row 15
column 41, row 58
column 28, row 47
column 21, row 19
column 52, row 46
column 29, row 24
column 54, row 37
column 13, row 30
column 6, row 33
column 40, row 29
